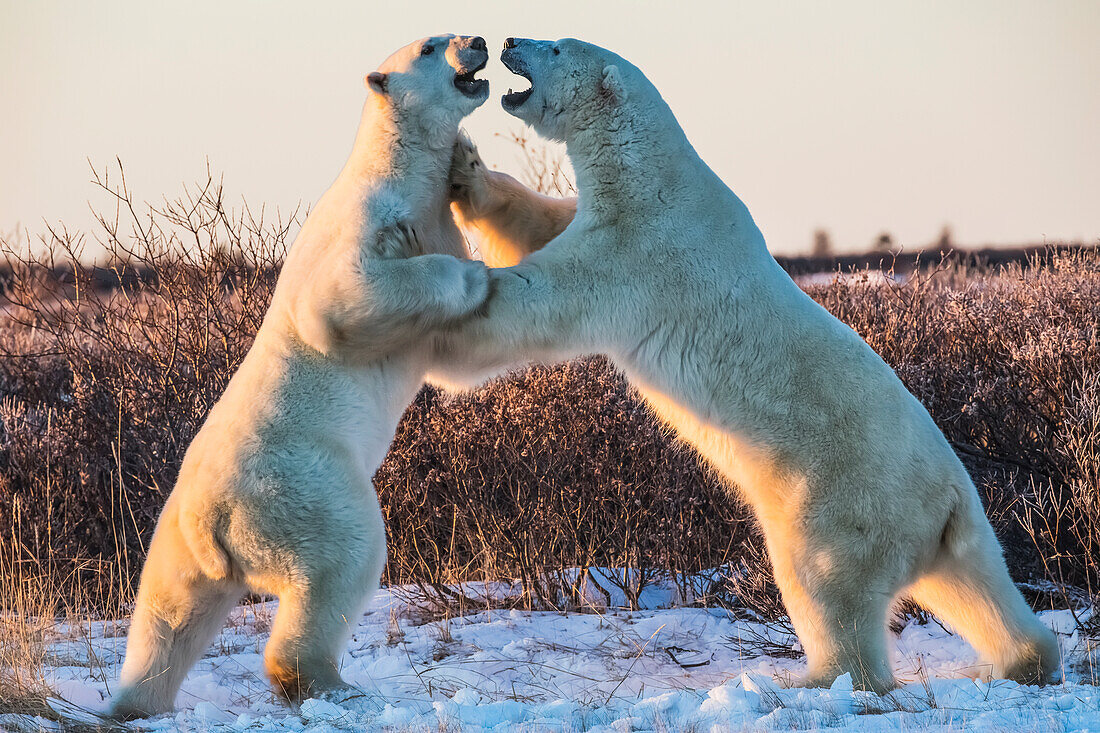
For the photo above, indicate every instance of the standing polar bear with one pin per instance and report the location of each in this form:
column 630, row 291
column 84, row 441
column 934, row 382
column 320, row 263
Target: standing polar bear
column 275, row 492
column 859, row 495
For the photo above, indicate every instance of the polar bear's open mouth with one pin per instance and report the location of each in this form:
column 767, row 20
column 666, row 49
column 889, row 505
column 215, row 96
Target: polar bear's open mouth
column 515, row 64
column 468, row 85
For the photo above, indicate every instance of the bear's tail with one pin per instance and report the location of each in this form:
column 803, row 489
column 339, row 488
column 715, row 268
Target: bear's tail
column 200, row 532
column 969, row 587
column 956, row 534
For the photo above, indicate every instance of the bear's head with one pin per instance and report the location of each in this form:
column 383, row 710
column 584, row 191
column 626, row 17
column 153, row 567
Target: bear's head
column 572, row 82
column 431, row 83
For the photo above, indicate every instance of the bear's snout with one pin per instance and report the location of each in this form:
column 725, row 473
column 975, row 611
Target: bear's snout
column 468, row 55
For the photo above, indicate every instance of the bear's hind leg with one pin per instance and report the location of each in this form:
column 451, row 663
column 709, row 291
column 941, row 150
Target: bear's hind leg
column 175, row 619
column 316, row 617
column 302, row 655
column 969, row 587
column 839, row 614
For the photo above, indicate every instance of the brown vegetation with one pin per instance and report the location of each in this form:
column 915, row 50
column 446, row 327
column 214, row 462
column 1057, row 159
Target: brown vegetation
column 102, row 388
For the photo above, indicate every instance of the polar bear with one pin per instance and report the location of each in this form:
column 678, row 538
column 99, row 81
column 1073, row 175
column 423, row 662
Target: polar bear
column 275, row 493
column 860, row 497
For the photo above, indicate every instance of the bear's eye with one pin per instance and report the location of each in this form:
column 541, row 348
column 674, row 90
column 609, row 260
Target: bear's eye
column 557, row 51
column 427, row 50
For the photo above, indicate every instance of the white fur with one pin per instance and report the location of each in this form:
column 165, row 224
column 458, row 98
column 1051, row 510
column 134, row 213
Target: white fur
column 275, row 492
column 859, row 495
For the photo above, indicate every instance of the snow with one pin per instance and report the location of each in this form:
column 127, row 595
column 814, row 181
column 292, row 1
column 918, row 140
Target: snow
column 659, row 669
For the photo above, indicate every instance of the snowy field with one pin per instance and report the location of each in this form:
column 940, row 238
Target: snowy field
column 663, row 669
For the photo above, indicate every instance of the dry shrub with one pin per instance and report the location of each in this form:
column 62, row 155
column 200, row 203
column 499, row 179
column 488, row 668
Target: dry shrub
column 1008, row 362
column 543, row 168
column 550, row 469
column 107, row 373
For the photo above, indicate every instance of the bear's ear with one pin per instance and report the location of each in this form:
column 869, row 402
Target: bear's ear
column 376, row 81
column 611, row 85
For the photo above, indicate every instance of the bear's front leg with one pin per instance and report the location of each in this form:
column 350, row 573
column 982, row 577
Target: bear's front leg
column 536, row 312
column 504, row 219
column 385, row 300
column 432, row 288
column 469, row 180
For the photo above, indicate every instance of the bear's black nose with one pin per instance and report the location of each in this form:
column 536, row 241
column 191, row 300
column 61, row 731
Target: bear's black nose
column 478, row 44
column 509, row 43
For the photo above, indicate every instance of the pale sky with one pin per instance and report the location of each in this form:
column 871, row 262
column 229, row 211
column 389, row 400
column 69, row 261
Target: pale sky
column 857, row 116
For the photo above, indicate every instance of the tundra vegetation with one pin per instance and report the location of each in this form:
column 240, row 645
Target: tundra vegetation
column 107, row 371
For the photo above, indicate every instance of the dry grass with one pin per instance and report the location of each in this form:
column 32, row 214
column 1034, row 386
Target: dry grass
column 37, row 612
column 25, row 623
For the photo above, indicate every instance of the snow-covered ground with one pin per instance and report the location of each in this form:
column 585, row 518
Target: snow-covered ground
column 663, row 669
